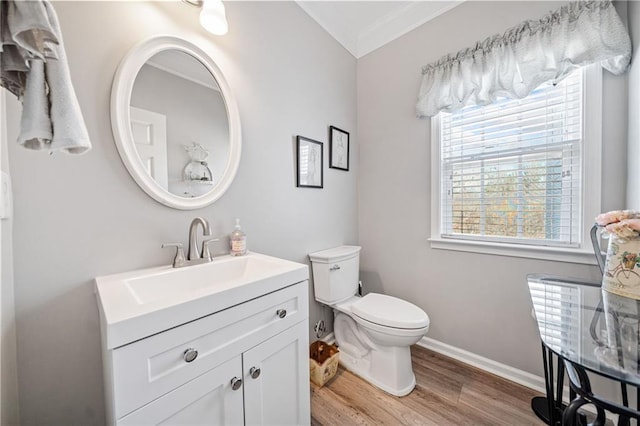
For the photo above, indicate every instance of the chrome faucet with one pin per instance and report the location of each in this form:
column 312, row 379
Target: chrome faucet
column 194, row 256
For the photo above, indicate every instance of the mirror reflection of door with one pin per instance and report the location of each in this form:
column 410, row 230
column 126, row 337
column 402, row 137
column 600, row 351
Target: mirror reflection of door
column 150, row 136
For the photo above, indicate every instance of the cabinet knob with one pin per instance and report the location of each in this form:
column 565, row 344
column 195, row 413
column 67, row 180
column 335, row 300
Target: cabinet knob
column 236, row 383
column 281, row 313
column 190, row 354
column 254, row 372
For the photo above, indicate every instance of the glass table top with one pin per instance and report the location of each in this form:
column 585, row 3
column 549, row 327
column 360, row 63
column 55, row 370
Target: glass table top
column 588, row 326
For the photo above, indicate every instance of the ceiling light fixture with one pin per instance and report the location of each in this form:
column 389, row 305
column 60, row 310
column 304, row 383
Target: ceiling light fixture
column 212, row 15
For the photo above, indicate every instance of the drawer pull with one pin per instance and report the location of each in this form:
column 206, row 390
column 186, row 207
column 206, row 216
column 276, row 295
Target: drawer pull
column 254, row 372
column 190, row 355
column 236, row 383
column 335, row 268
column 281, row 313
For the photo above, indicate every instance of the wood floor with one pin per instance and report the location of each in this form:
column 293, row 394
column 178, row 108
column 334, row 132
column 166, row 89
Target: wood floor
column 448, row 392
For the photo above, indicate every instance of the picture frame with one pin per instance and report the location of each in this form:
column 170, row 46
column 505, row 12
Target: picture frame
column 310, row 163
column 338, row 149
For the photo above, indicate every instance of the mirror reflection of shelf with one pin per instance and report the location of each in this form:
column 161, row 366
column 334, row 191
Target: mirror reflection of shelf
column 197, row 188
column 192, row 188
column 206, row 183
column 200, row 182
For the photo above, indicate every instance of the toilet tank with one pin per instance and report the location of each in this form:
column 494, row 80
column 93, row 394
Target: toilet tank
column 335, row 273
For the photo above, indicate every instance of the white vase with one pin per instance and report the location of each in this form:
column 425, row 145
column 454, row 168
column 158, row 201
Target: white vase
column 622, row 267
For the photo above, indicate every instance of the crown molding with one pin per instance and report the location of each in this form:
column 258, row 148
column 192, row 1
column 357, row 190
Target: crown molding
column 383, row 30
column 400, row 22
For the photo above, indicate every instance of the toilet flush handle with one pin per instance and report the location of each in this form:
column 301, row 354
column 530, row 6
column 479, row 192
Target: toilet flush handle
column 334, row 268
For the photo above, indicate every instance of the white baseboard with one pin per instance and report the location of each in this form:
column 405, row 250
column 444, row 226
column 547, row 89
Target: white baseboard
column 505, row 371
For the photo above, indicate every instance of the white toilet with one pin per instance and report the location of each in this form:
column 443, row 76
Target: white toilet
column 373, row 332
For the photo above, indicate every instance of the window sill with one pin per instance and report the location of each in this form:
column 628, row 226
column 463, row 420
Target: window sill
column 556, row 254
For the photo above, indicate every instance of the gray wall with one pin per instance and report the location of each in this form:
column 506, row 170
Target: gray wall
column 633, row 191
column 476, row 302
column 80, row 217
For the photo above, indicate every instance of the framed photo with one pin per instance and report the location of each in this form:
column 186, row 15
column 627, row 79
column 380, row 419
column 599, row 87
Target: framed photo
column 338, row 149
column 310, row 162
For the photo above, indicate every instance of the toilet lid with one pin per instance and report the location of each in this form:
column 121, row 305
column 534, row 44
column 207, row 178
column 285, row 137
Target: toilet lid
column 390, row 311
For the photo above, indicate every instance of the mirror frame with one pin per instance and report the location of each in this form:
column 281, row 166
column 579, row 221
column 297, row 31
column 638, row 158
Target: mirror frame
column 120, row 122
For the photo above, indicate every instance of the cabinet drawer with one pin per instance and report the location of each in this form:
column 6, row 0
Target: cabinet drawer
column 149, row 368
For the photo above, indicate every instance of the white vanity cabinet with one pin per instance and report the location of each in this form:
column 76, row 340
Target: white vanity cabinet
column 251, row 368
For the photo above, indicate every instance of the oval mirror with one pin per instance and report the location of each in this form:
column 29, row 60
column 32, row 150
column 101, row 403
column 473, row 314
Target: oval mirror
column 175, row 123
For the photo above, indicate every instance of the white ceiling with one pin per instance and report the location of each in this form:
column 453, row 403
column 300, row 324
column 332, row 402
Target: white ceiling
column 363, row 26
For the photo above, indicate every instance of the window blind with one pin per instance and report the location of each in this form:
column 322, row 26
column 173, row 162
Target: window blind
column 512, row 171
column 557, row 311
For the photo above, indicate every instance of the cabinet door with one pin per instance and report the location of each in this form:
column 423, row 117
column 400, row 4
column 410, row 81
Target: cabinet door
column 207, row 400
column 279, row 395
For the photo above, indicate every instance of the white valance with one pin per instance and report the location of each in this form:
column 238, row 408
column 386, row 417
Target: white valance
column 513, row 64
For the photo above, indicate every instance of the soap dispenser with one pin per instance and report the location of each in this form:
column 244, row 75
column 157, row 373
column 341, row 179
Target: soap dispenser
column 238, row 240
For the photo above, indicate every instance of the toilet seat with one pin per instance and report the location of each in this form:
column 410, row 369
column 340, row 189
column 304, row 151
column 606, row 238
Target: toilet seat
column 390, row 331
column 389, row 311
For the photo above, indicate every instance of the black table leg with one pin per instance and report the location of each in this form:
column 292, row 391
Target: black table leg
column 549, row 409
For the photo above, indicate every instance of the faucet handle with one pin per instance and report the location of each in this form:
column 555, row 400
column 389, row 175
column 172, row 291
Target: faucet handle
column 179, row 260
column 206, row 254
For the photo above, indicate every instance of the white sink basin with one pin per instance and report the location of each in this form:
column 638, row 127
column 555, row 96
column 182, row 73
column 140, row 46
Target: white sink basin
column 137, row 304
column 190, row 282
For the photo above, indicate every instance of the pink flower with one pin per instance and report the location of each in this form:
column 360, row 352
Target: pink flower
column 633, row 224
column 626, row 228
column 614, row 216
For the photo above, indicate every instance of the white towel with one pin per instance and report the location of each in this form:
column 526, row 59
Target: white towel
column 35, row 124
column 51, row 116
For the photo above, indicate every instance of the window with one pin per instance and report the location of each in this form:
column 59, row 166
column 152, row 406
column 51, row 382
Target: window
column 513, row 174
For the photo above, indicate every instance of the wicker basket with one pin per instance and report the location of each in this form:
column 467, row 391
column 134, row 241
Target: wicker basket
column 323, row 362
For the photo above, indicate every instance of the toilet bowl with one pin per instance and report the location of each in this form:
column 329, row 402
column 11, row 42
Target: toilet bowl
column 374, row 332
